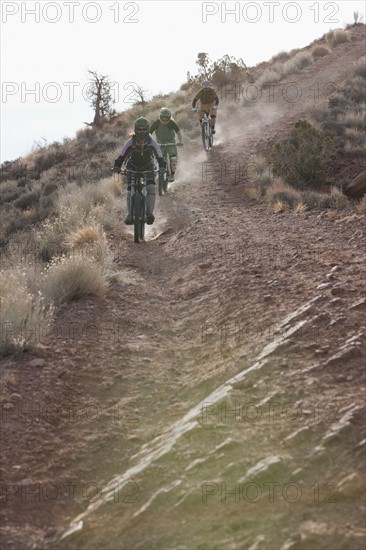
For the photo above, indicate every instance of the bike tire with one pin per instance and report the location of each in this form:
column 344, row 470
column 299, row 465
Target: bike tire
column 205, row 138
column 137, row 217
column 167, row 173
column 161, row 184
column 143, row 216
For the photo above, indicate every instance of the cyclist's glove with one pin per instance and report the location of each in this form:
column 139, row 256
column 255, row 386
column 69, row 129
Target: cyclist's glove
column 117, row 165
column 162, row 163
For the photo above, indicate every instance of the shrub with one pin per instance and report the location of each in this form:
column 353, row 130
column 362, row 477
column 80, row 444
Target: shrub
column 354, row 150
column 320, row 51
column 300, row 160
column 24, row 316
column 9, row 191
column 71, row 278
column 333, row 38
column 337, row 199
column 312, row 200
column 86, row 197
column 90, row 240
column 298, row 62
column 268, row 77
column 361, row 205
column 355, row 120
column 252, row 193
column 281, row 56
column 279, row 192
column 280, row 206
column 360, row 67
column 27, row 200
column 259, row 173
column 50, row 237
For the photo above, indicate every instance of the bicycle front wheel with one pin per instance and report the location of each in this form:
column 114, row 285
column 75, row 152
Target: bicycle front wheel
column 205, row 137
column 161, row 184
column 139, row 219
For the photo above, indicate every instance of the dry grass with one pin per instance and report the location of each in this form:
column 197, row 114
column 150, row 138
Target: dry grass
column 354, row 149
column 361, row 205
column 280, row 206
column 338, row 36
column 116, row 186
column 25, row 319
column 300, row 208
column 85, row 235
column 281, row 56
column 320, row 51
column 90, row 241
column 252, row 193
column 50, row 237
column 360, row 67
column 298, row 62
column 337, row 199
column 332, row 213
column 72, row 278
column 281, row 192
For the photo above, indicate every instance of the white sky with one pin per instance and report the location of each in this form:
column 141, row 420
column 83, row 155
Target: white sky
column 150, row 43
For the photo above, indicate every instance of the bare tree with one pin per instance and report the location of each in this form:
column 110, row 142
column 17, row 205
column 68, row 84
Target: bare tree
column 141, row 94
column 100, row 98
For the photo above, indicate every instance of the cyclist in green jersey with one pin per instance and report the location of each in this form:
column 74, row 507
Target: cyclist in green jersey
column 165, row 130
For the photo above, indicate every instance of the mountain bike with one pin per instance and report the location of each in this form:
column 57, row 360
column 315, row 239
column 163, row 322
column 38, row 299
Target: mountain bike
column 138, row 201
column 165, row 177
column 206, row 128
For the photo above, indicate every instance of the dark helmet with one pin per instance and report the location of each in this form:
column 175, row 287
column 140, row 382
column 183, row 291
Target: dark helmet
column 141, row 127
column 165, row 115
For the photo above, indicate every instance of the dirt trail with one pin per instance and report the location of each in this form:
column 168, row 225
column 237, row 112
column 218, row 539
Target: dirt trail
column 193, row 307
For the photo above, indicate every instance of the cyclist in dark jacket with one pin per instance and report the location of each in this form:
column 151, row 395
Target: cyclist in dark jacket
column 139, row 151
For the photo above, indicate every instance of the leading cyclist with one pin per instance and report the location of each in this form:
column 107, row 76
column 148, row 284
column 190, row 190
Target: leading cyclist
column 139, row 151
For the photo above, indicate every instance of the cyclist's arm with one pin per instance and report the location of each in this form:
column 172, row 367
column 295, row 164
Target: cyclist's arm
column 154, row 127
column 125, row 149
column 196, row 98
column 176, row 129
column 123, row 153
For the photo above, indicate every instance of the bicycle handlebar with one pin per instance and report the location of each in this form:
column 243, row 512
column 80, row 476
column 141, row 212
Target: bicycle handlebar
column 206, row 111
column 142, row 173
column 167, row 144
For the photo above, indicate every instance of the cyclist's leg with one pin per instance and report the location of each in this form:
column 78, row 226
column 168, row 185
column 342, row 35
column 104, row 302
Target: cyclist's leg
column 150, row 198
column 173, row 155
column 213, row 116
column 128, row 219
column 200, row 115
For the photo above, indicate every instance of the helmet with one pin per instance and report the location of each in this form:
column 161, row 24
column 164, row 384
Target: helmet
column 165, row 115
column 141, row 127
column 206, row 84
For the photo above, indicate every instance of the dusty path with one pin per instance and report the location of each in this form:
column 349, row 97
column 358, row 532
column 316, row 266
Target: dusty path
column 195, row 305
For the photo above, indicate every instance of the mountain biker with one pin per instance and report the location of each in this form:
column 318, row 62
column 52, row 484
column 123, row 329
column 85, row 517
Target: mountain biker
column 209, row 102
column 165, row 129
column 139, row 151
